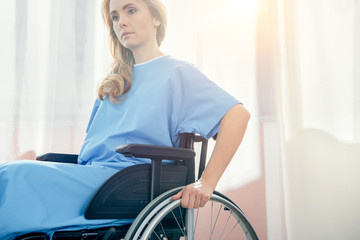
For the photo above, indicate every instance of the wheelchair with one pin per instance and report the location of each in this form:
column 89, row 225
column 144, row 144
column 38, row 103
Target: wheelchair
column 143, row 193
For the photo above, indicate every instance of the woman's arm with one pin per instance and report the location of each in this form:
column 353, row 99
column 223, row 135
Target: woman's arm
column 231, row 132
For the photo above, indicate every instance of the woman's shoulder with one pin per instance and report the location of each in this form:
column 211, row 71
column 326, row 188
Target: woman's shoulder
column 170, row 69
column 165, row 64
column 181, row 63
column 179, row 68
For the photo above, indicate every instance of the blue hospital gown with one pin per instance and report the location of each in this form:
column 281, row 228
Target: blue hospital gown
column 167, row 97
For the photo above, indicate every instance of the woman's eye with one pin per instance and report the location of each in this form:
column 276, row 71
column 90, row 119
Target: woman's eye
column 132, row 11
column 115, row 18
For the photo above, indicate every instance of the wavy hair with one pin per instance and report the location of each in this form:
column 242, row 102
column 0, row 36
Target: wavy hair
column 118, row 80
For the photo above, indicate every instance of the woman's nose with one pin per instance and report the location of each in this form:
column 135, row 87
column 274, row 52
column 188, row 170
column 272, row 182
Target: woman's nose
column 122, row 21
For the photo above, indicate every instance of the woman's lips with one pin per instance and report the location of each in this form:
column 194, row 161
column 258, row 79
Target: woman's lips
column 125, row 34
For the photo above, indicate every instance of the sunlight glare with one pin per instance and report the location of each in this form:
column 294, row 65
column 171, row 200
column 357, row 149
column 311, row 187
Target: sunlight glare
column 241, row 8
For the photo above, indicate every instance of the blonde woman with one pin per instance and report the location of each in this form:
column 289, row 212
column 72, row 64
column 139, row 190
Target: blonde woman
column 148, row 97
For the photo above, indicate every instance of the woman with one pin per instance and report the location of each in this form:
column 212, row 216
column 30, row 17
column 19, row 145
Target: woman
column 148, row 97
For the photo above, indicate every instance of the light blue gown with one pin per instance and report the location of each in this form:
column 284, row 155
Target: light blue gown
column 167, row 97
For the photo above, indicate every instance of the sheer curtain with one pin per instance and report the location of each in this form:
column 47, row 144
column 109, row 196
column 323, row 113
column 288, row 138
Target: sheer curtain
column 319, row 108
column 53, row 53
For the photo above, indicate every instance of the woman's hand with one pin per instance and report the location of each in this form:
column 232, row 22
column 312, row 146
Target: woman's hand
column 231, row 132
column 195, row 195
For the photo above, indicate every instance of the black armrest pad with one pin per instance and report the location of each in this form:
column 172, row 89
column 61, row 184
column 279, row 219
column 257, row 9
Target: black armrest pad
column 155, row 152
column 58, row 157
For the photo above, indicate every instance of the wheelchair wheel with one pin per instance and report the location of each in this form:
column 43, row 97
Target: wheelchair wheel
column 165, row 219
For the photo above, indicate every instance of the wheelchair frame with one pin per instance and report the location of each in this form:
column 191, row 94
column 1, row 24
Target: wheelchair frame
column 149, row 199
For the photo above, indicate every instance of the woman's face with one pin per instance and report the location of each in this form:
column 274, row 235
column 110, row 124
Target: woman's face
column 133, row 24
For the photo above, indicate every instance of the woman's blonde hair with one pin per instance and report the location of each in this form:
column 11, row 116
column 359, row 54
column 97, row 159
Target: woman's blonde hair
column 118, row 81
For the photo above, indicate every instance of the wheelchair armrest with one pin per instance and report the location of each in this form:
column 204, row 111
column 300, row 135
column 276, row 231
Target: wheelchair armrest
column 58, row 157
column 155, row 152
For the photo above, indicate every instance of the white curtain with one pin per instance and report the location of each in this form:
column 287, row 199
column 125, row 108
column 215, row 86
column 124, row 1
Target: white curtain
column 52, row 56
column 318, row 62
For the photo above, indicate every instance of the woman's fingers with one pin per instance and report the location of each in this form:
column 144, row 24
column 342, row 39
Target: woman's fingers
column 194, row 195
column 188, row 201
column 178, row 195
column 203, row 202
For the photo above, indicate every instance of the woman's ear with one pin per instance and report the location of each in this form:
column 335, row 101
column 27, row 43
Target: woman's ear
column 157, row 22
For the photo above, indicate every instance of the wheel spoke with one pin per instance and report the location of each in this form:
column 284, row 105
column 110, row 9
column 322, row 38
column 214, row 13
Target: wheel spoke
column 217, row 217
column 163, row 230
column 157, row 235
column 231, row 231
column 197, row 215
column 177, row 222
column 227, row 221
column 181, row 217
